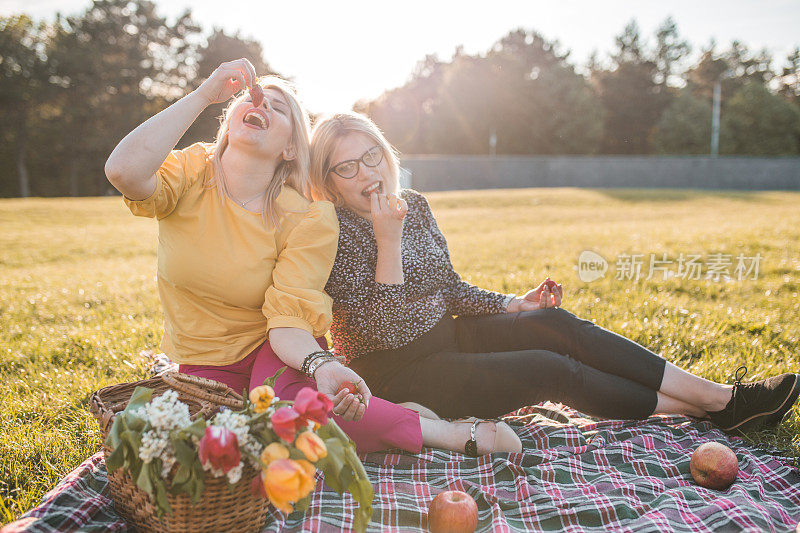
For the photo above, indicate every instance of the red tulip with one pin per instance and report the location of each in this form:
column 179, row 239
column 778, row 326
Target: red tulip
column 257, row 486
column 220, row 447
column 313, row 405
column 285, row 421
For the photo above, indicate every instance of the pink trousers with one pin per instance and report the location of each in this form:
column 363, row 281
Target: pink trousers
column 385, row 425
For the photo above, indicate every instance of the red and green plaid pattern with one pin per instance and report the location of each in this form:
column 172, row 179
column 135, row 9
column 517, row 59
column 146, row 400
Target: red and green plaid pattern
column 576, row 474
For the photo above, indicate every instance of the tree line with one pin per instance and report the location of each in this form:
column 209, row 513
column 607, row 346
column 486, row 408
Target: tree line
column 527, row 97
column 72, row 88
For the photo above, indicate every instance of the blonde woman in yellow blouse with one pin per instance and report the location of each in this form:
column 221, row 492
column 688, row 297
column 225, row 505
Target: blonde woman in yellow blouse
column 243, row 255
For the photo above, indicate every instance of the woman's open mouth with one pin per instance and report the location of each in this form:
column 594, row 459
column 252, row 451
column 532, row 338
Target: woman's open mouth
column 256, row 118
column 375, row 187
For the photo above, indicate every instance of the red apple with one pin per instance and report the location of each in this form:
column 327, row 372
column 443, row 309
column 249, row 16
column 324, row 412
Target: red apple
column 714, row 466
column 552, row 285
column 453, row 511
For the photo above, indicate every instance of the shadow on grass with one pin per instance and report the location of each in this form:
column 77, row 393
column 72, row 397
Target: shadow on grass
column 680, row 195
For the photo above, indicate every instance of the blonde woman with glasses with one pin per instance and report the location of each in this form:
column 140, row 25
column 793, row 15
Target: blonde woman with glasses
column 407, row 322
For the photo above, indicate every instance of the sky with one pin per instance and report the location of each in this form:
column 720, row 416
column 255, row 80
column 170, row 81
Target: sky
column 340, row 52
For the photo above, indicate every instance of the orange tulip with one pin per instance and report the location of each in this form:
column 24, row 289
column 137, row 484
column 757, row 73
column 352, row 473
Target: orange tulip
column 307, row 477
column 273, row 452
column 261, row 397
column 312, row 446
column 287, row 481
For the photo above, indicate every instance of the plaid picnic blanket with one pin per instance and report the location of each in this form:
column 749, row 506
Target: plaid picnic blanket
column 576, row 474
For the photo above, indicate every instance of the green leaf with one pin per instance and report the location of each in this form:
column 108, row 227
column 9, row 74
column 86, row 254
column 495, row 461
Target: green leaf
column 362, row 518
column 303, row 504
column 362, row 491
column 184, row 452
column 113, row 436
column 333, row 463
column 133, row 439
column 271, row 380
column 197, row 428
column 197, row 484
column 135, row 423
column 345, row 477
column 355, row 463
column 162, row 502
column 144, row 482
column 140, row 396
column 332, row 430
column 182, row 477
column 116, row 459
column 294, row 453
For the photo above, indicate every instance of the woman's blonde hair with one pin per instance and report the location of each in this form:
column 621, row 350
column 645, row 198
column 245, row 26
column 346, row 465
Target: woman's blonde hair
column 327, row 135
column 292, row 172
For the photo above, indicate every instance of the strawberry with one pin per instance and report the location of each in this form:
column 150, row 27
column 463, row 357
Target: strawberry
column 350, row 386
column 257, row 95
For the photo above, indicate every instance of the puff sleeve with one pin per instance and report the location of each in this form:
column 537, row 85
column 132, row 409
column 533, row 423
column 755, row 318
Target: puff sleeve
column 179, row 170
column 296, row 298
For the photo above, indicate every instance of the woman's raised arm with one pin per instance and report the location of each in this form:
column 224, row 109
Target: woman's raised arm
column 132, row 165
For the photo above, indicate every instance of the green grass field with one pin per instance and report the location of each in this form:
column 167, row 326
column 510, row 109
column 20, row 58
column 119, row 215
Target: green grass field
column 78, row 297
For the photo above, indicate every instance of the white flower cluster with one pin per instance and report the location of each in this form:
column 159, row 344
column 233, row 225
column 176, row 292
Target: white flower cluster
column 237, row 423
column 164, row 414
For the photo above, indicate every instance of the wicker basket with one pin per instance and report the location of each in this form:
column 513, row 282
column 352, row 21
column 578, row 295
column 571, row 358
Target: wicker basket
column 222, row 507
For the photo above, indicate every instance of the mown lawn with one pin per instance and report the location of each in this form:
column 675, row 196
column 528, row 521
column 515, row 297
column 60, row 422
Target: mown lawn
column 78, row 297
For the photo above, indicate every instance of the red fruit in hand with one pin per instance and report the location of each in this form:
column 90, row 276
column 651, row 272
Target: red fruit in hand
column 350, row 386
column 550, row 284
column 220, row 447
column 714, row 466
column 453, row 511
column 257, row 95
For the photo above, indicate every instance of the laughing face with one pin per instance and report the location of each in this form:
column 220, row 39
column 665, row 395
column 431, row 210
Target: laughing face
column 368, row 180
column 266, row 129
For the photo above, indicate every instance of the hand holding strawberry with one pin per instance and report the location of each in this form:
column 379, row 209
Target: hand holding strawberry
column 351, row 388
column 331, row 377
column 547, row 294
column 257, row 95
column 388, row 212
column 228, row 79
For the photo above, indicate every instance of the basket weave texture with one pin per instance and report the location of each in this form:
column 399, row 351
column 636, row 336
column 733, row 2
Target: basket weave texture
column 222, row 507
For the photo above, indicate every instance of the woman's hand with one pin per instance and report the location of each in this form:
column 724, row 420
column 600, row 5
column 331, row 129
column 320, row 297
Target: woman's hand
column 329, row 378
column 388, row 212
column 228, row 79
column 547, row 294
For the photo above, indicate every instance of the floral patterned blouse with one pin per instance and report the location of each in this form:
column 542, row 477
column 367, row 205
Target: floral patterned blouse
column 368, row 315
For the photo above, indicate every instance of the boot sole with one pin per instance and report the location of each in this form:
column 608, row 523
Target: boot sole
column 786, row 409
column 757, row 421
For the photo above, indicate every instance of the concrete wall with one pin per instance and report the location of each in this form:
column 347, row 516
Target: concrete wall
column 437, row 173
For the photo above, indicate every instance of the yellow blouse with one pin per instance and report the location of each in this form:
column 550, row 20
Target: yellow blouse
column 225, row 278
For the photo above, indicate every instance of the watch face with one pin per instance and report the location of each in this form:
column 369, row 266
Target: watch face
column 471, row 448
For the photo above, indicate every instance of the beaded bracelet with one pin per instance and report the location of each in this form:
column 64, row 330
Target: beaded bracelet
column 310, row 358
column 318, row 362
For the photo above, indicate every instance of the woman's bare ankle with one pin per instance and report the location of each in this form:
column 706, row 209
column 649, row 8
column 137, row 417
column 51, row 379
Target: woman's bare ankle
column 493, row 437
column 454, row 436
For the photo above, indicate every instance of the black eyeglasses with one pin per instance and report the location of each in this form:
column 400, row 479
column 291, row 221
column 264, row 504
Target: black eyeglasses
column 348, row 169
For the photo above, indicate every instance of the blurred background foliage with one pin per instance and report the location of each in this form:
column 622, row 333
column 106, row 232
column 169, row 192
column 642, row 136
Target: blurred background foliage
column 72, row 88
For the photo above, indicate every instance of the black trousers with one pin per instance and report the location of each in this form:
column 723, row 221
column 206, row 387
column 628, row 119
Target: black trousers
column 489, row 365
